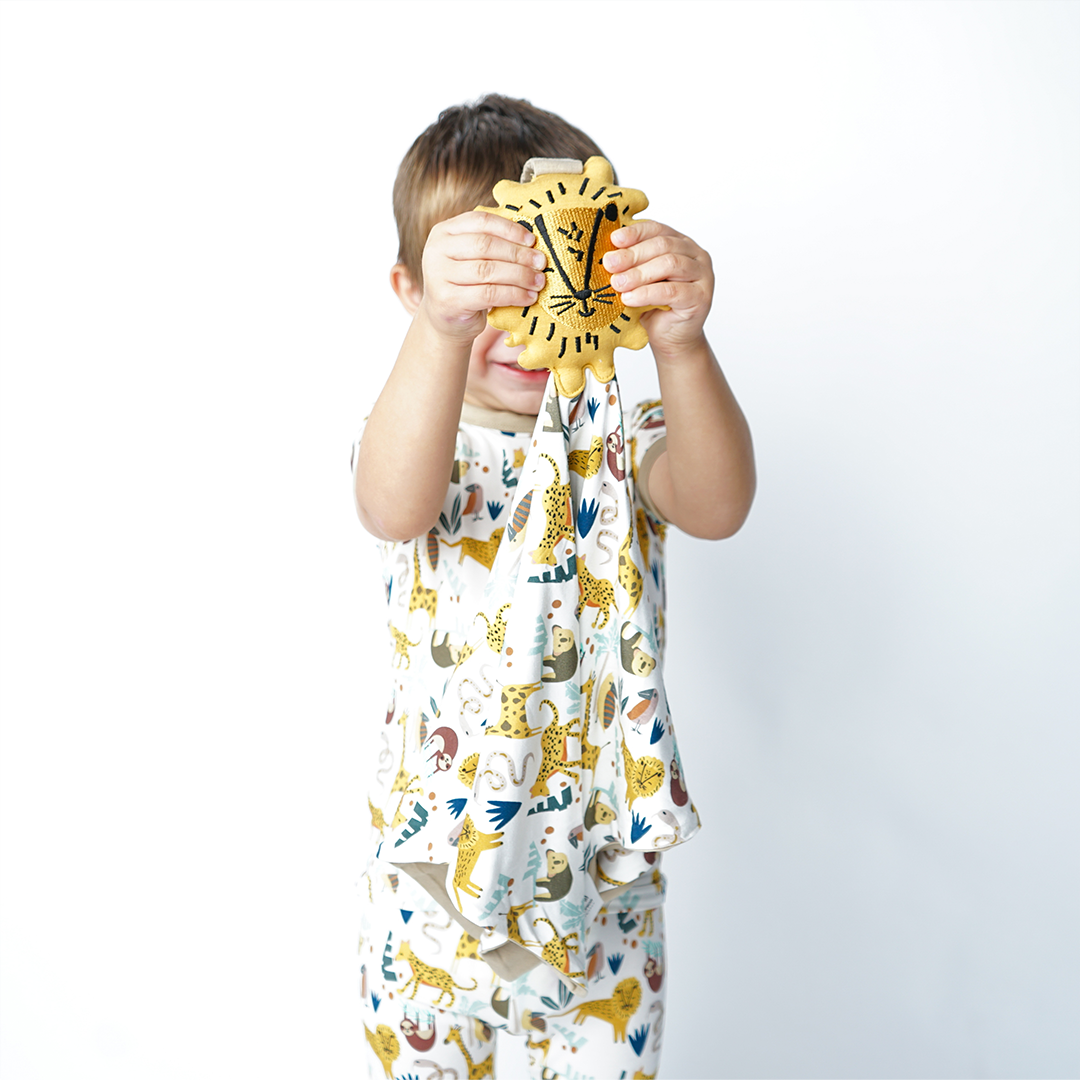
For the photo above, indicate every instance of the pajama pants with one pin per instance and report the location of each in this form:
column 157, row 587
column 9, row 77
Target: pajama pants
column 445, row 1025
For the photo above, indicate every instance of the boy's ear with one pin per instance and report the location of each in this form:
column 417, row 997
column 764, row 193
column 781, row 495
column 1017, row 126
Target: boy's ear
column 406, row 290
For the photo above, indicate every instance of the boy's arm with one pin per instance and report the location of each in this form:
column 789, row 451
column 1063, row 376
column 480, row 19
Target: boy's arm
column 704, row 482
column 473, row 262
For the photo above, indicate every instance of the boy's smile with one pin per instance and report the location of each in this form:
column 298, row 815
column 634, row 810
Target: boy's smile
column 495, row 380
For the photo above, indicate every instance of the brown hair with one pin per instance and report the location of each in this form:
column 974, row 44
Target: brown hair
column 455, row 163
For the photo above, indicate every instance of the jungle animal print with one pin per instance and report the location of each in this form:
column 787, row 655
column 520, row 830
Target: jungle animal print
column 428, row 975
column 553, row 743
column 512, row 721
column 644, row 775
column 629, row 575
column 476, row 1070
column 402, row 644
column 589, row 753
column 483, row 551
column 471, row 843
column 587, row 463
column 385, row 1044
column 497, row 1009
column 421, row 597
column 557, row 950
column 496, row 632
column 512, row 918
column 513, row 799
column 467, row 770
column 595, row 592
column 615, row 1010
column 558, row 516
column 467, row 949
column 563, row 660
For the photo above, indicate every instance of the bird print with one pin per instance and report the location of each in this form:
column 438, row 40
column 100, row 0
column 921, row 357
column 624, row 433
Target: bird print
column 475, row 505
column 642, row 712
column 594, row 968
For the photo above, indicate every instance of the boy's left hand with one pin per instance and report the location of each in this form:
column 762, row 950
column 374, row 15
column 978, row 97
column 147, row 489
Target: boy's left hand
column 657, row 265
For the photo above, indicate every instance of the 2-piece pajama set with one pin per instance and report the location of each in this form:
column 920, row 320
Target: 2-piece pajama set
column 528, row 777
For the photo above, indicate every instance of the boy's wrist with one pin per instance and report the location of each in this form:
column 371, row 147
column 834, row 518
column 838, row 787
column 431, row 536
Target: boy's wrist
column 694, row 350
column 454, row 334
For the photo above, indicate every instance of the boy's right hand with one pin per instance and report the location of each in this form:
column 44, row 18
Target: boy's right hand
column 474, row 262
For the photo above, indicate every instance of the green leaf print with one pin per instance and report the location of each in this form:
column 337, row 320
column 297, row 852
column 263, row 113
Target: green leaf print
column 454, row 524
column 540, row 638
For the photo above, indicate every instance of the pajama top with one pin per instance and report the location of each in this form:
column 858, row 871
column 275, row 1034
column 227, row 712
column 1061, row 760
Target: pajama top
column 528, row 769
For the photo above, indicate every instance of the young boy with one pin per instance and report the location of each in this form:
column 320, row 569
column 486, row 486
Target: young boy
column 458, row 405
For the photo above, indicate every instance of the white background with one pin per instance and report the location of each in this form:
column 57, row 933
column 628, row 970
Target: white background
column 874, row 681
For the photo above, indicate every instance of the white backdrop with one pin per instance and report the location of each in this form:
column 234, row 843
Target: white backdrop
column 195, row 314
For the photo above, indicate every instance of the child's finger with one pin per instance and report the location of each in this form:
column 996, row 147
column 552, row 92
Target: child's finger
column 477, row 221
column 490, row 272
column 650, row 249
column 487, row 247
column 669, row 267
column 677, row 295
column 637, row 231
column 490, row 295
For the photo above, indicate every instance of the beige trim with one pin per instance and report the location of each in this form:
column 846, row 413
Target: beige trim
column 647, row 462
column 537, row 166
column 501, row 421
column 509, row 960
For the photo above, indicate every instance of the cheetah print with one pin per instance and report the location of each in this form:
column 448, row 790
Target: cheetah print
column 496, row 632
column 553, row 743
column 483, row 551
column 557, row 951
column 471, row 843
column 587, row 463
column 428, row 975
column 402, row 644
column 629, row 575
column 558, row 516
column 595, row 592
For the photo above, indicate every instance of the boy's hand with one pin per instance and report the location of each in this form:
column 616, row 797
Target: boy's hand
column 657, row 265
column 474, row 262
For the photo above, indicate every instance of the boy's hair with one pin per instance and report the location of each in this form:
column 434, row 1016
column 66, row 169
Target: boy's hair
column 454, row 164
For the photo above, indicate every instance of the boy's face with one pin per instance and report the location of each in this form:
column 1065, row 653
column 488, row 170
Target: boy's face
column 496, row 381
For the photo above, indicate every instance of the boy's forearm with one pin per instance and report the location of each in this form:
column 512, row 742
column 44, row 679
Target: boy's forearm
column 705, row 482
column 407, row 452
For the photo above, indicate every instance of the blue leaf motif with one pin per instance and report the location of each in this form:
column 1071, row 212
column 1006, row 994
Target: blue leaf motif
column 657, row 731
column 638, row 828
column 637, row 1040
column 614, row 961
column 456, row 806
column 586, row 515
column 501, row 812
column 494, row 509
